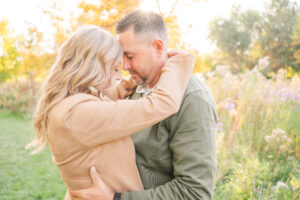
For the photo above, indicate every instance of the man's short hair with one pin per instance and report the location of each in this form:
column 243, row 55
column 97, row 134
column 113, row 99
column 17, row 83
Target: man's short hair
column 143, row 22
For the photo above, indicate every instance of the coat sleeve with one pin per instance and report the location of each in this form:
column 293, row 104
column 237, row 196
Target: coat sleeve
column 193, row 145
column 94, row 122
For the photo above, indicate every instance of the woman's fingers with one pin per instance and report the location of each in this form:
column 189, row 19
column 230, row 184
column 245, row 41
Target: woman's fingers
column 176, row 52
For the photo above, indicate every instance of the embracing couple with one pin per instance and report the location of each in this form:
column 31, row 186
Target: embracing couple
column 149, row 137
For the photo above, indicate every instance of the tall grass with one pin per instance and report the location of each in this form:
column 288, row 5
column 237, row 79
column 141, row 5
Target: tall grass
column 258, row 138
column 18, row 97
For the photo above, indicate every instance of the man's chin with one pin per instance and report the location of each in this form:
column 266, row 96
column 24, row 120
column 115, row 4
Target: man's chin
column 138, row 79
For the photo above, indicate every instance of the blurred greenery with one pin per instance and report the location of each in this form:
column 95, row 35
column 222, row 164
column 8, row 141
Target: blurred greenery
column 241, row 40
column 249, row 35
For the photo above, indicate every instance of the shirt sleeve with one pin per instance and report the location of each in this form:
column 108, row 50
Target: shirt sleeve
column 193, row 145
column 94, row 122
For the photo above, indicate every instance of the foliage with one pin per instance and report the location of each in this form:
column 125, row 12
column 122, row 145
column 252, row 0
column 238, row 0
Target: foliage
column 20, row 97
column 9, row 55
column 296, row 41
column 203, row 63
column 249, row 35
column 233, row 36
column 35, row 60
column 105, row 13
column 275, row 43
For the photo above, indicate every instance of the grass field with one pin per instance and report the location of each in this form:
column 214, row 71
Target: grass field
column 23, row 176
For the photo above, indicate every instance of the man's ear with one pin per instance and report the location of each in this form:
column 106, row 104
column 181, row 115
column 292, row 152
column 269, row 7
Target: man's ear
column 158, row 46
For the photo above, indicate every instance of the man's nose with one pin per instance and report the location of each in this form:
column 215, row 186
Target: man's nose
column 126, row 65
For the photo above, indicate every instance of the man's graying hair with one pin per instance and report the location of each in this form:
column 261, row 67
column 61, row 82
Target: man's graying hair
column 144, row 22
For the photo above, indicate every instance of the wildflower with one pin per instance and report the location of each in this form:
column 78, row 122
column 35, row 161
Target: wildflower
column 220, row 127
column 278, row 131
column 233, row 112
column 221, row 70
column 210, row 75
column 267, row 138
column 282, row 148
column 281, row 74
column 230, row 106
column 280, row 185
column 270, row 156
column 263, row 63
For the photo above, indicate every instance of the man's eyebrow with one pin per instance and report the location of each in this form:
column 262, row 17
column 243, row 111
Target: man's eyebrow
column 126, row 53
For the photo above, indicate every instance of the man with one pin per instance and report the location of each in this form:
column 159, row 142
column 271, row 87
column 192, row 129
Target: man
column 176, row 158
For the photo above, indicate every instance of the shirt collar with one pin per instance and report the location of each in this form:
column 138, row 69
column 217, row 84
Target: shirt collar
column 141, row 89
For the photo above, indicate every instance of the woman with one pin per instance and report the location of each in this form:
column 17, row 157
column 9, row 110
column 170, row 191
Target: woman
column 82, row 123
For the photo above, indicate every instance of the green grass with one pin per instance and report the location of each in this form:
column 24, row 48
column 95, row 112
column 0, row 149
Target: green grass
column 24, row 176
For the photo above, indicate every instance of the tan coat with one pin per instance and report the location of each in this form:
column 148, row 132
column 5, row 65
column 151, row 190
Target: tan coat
column 85, row 131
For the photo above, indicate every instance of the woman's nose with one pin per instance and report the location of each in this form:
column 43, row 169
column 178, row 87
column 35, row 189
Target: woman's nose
column 118, row 76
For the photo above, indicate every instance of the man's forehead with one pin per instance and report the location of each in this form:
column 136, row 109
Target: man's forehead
column 130, row 47
column 127, row 49
column 126, row 40
column 132, row 42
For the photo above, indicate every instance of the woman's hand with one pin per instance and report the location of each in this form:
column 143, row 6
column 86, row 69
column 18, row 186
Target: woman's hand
column 98, row 191
column 176, row 52
column 128, row 86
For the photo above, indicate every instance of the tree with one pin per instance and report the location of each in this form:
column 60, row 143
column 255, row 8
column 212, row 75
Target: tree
column 9, row 55
column 296, row 44
column 276, row 33
column 248, row 36
column 234, row 36
column 105, row 13
column 35, row 59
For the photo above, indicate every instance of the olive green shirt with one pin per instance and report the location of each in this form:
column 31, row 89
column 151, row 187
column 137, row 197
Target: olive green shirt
column 176, row 158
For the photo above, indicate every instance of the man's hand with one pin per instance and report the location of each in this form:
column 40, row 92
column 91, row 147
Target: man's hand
column 98, row 191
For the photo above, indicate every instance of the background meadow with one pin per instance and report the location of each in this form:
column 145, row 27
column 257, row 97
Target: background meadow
column 253, row 72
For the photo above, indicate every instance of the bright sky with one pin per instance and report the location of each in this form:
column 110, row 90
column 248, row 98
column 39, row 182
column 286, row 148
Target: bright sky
column 22, row 12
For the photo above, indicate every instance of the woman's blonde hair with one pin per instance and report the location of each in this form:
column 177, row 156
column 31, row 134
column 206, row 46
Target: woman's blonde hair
column 84, row 64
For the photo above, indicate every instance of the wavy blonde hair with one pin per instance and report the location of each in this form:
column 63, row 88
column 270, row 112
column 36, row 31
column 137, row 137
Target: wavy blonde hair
column 84, row 64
